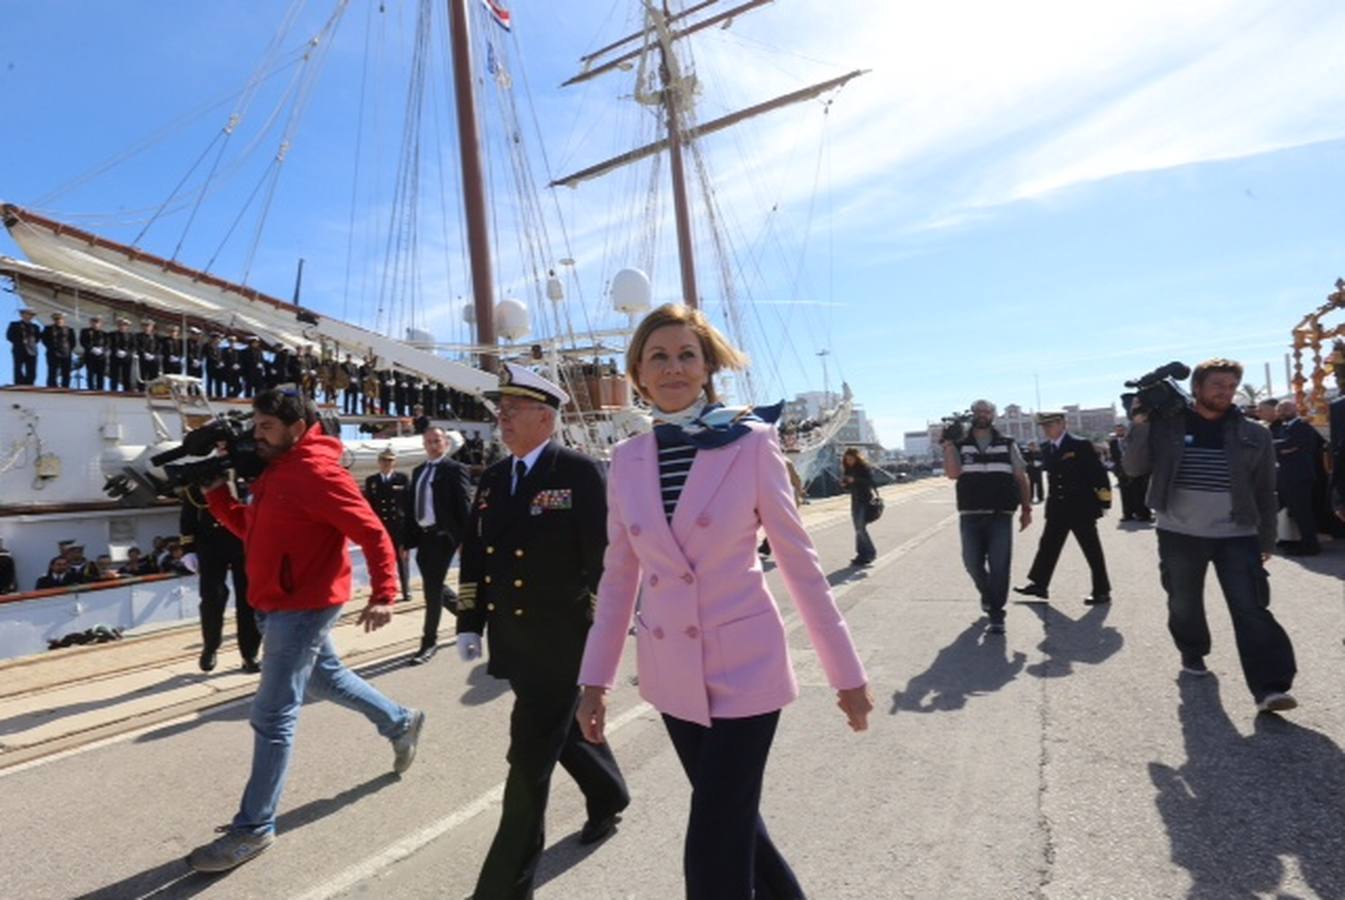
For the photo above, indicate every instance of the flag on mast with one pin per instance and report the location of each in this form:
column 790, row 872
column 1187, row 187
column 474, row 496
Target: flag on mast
column 499, row 12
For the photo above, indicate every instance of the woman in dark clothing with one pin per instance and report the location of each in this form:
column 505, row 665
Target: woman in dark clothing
column 857, row 478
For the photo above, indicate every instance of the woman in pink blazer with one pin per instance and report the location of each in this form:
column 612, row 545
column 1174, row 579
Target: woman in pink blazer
column 684, row 506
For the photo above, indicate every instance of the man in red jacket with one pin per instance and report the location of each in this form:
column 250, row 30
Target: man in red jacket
column 304, row 508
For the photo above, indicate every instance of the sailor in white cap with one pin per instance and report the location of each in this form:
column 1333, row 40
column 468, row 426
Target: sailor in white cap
column 531, row 562
column 386, row 492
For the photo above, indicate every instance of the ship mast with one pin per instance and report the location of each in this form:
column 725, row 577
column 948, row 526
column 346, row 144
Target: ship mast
column 473, row 183
column 675, row 99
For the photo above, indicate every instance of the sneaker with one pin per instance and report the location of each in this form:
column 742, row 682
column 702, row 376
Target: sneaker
column 995, row 628
column 1276, row 701
column 1194, row 665
column 404, row 747
column 229, row 850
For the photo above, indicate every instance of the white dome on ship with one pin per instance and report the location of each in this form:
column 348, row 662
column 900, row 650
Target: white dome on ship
column 511, row 319
column 631, row 292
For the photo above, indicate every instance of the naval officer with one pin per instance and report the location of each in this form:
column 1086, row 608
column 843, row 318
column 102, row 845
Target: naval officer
column 531, row 563
column 1079, row 492
column 386, row 492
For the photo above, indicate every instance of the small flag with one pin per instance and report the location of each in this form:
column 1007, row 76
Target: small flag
column 499, row 12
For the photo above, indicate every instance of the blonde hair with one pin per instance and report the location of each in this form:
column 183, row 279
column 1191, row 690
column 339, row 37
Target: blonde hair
column 718, row 352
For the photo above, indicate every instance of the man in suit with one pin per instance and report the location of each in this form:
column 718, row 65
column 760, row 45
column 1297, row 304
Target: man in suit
column 436, row 514
column 170, row 350
column 386, row 493
column 350, row 393
column 120, row 349
column 531, row 563
column 218, row 552
column 58, row 575
column 253, row 360
column 93, row 340
column 194, row 360
column 1337, row 424
column 59, row 339
column 1079, row 491
column 1297, row 449
column 24, row 336
column 215, row 376
column 1132, row 489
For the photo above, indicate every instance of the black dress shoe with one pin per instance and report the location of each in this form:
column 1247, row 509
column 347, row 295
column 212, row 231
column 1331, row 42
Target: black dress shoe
column 595, row 830
column 425, row 655
column 1096, row 599
column 1032, row 590
column 207, row 660
column 251, row 666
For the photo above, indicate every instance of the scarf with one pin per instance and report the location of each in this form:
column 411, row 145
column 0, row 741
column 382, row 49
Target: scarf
column 707, row 426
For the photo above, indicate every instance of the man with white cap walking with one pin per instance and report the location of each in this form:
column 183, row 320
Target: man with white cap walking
column 531, row 563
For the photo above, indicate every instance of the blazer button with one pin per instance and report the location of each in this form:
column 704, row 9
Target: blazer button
column 518, row 612
column 519, row 553
column 518, row 582
column 486, row 579
column 658, row 633
column 490, row 550
column 688, row 577
column 703, row 521
column 635, row 530
column 693, row 632
column 490, row 607
column 653, row 580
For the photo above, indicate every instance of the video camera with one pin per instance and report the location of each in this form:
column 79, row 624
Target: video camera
column 1157, row 394
column 234, row 430
column 955, row 427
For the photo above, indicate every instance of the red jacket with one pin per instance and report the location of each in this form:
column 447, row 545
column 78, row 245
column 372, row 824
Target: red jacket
column 304, row 507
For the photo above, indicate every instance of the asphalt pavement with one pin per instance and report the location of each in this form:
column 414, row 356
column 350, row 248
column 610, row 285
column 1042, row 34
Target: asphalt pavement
column 1066, row 759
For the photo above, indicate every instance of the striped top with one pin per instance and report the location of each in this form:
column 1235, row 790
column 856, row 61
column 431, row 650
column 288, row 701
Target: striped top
column 675, row 456
column 1204, row 465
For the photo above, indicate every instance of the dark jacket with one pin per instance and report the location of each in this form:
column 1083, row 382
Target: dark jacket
column 451, row 494
column 389, row 502
column 1156, row 448
column 531, row 563
column 860, row 484
column 1077, row 479
column 25, row 337
column 59, row 340
column 201, row 533
column 1337, row 419
column 304, row 508
column 1298, row 448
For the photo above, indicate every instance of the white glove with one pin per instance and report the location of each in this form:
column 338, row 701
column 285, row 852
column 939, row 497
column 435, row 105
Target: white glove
column 191, row 562
column 469, row 646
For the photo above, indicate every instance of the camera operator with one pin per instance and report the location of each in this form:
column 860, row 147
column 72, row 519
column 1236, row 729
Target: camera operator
column 304, row 508
column 991, row 483
column 1212, row 487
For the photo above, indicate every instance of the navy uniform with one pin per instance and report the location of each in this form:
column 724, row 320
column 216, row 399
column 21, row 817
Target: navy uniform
column 93, row 340
column 24, row 336
column 147, row 352
column 170, row 351
column 218, row 552
column 120, row 349
column 194, row 359
column 59, row 339
column 216, row 378
column 1079, row 491
column 531, row 563
column 436, row 516
column 387, row 495
column 253, row 360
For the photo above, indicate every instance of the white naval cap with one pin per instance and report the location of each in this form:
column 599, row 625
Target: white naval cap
column 517, row 381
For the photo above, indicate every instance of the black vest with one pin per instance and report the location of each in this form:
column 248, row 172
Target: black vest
column 987, row 482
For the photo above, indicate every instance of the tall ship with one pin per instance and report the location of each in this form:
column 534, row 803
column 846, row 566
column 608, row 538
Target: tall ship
column 79, row 465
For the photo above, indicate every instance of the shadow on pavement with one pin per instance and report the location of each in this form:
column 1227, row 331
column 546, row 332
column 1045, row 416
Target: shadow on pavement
column 23, row 722
column 1068, row 641
column 562, row 856
column 973, row 664
column 482, row 687
column 1331, row 561
column 174, row 879
column 1240, row 806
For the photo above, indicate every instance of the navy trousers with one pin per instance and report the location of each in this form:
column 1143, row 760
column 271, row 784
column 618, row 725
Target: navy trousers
column 728, row 855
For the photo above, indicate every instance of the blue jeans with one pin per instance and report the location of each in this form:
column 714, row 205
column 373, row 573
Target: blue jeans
column 297, row 655
column 1264, row 648
column 987, row 552
column 864, row 548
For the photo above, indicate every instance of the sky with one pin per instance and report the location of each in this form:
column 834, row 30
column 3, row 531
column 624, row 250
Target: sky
column 1029, row 203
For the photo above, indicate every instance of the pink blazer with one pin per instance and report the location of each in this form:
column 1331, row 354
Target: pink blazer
column 710, row 642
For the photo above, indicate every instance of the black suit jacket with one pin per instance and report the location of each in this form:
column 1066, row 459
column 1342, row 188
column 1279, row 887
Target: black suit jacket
column 451, row 493
column 24, row 335
column 531, row 563
column 1076, row 475
column 1337, row 420
column 389, row 501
